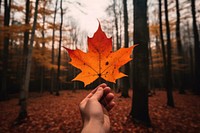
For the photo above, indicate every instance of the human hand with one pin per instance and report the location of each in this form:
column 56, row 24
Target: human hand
column 94, row 110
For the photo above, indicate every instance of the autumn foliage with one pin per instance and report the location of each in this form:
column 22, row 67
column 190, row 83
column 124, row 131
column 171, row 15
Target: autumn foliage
column 51, row 114
column 100, row 61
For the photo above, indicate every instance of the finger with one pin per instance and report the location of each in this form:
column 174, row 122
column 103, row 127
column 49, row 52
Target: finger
column 109, row 97
column 103, row 85
column 110, row 106
column 106, row 99
column 106, row 90
column 98, row 94
column 84, row 101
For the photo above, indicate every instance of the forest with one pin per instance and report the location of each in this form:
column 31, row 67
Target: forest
column 41, row 42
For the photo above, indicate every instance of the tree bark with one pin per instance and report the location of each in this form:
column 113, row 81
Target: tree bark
column 196, row 50
column 179, row 48
column 26, row 33
column 191, row 55
column 52, row 54
column 59, row 50
column 120, row 28
column 25, row 47
column 162, row 42
column 25, row 86
column 126, row 82
column 3, row 93
column 0, row 5
column 42, row 69
column 140, row 111
column 170, row 100
column 116, row 24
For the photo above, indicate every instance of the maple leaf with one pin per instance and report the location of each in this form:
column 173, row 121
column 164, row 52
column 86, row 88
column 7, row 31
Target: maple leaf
column 100, row 61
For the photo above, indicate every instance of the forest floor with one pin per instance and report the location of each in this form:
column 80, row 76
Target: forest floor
column 60, row 114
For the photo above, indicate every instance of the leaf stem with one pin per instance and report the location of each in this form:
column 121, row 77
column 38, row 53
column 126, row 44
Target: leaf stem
column 99, row 80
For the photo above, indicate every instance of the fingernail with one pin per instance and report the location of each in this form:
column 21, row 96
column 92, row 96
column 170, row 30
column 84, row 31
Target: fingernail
column 100, row 88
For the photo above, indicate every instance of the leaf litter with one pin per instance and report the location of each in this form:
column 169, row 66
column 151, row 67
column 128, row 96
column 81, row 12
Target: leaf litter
column 53, row 114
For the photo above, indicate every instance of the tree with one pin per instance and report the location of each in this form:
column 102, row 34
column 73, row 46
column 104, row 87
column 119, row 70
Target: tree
column 163, row 47
column 3, row 93
column 25, row 86
column 139, row 111
column 52, row 53
column 116, row 23
column 120, row 23
column 73, row 32
column 42, row 69
column 59, row 50
column 179, row 46
column 196, row 49
column 126, row 82
column 25, row 47
column 170, row 100
column 0, row 5
column 26, row 33
column 162, row 40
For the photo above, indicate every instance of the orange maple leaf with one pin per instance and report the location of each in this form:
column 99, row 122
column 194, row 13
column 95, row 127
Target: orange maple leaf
column 100, row 61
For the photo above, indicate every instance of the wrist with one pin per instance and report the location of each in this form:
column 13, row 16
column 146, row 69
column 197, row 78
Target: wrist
column 93, row 121
column 92, row 126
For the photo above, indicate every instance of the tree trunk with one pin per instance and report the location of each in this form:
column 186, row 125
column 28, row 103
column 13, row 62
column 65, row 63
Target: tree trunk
column 179, row 48
column 126, row 82
column 42, row 69
column 116, row 23
column 120, row 29
column 59, row 51
column 3, row 93
column 0, row 5
column 52, row 54
column 162, row 42
column 196, row 50
column 119, row 82
column 151, row 82
column 26, row 33
column 25, row 86
column 170, row 100
column 26, row 37
column 140, row 111
column 25, row 47
column 191, row 56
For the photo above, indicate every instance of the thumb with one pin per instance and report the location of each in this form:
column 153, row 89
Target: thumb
column 98, row 94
